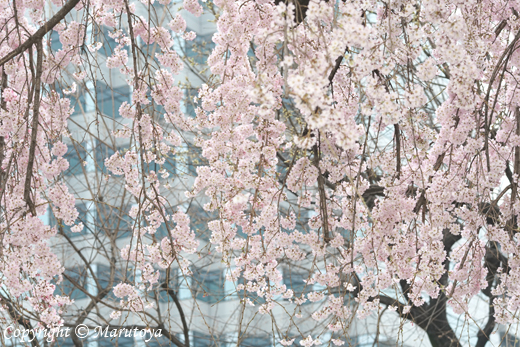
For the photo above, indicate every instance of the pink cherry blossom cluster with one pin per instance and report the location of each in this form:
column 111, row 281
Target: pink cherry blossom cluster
column 374, row 144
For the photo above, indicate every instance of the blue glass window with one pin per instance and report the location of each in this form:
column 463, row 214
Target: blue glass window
column 109, row 44
column 204, row 340
column 199, row 219
column 200, row 48
column 208, row 285
column 195, row 159
column 296, row 281
column 240, row 233
column 77, row 98
column 83, row 217
column 112, row 220
column 302, row 218
column 55, row 41
column 161, row 341
column 191, row 105
column 510, row 340
column 122, row 341
column 67, row 287
column 64, row 342
column 253, row 296
column 83, row 212
column 103, row 152
column 103, row 278
column 76, row 156
column 109, row 99
column 162, row 231
column 367, row 340
column 281, row 170
column 256, row 341
column 155, row 110
column 169, row 165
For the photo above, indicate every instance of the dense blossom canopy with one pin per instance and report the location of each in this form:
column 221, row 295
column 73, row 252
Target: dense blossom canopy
column 396, row 124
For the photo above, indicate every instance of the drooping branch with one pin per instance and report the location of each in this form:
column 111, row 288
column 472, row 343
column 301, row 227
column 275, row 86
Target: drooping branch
column 34, row 128
column 165, row 287
column 517, row 157
column 2, row 139
column 506, row 55
column 323, row 196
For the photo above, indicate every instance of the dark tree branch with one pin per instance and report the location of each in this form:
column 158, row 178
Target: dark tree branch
column 492, row 261
column 323, row 196
column 488, row 117
column 165, row 287
column 432, row 317
column 336, row 66
column 484, row 334
column 34, row 129
column 516, row 166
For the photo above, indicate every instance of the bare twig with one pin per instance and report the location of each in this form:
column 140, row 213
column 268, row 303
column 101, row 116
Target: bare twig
column 397, row 149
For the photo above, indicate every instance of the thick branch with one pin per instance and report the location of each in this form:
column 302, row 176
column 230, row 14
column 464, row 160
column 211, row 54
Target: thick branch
column 431, row 318
column 484, row 334
column 185, row 330
column 492, row 262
